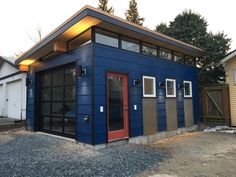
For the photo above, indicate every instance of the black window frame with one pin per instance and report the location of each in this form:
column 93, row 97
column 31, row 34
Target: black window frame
column 51, row 101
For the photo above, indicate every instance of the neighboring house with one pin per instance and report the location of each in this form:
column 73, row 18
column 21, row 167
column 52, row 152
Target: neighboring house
column 12, row 91
column 98, row 78
column 230, row 72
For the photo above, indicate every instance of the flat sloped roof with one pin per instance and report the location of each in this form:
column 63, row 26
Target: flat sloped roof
column 89, row 16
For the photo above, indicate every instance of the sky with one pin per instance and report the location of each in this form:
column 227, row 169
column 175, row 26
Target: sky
column 20, row 19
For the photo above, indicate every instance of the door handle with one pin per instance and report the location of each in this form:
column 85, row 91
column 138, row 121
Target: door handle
column 125, row 108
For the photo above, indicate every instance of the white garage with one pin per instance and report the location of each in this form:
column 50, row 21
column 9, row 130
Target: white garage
column 1, row 100
column 12, row 91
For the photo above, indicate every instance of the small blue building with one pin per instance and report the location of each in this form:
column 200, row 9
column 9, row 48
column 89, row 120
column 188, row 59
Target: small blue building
column 98, row 78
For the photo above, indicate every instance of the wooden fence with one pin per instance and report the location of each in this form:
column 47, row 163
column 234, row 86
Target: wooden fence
column 214, row 104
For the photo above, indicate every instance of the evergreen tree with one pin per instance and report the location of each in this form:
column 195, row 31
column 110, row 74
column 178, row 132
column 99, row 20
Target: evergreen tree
column 191, row 28
column 103, row 5
column 132, row 14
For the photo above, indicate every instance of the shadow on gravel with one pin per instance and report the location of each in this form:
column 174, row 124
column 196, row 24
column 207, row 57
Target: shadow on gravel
column 41, row 155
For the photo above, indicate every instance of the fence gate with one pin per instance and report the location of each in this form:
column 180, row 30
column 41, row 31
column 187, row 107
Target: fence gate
column 214, row 101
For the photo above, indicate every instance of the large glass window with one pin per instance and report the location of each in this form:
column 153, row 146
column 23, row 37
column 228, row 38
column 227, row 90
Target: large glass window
column 130, row 44
column 106, row 38
column 187, row 89
column 165, row 53
column 148, row 49
column 149, row 86
column 170, row 88
column 58, row 100
column 190, row 60
column 178, row 57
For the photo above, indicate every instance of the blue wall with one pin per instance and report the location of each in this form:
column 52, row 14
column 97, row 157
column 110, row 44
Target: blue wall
column 81, row 56
column 136, row 65
column 111, row 59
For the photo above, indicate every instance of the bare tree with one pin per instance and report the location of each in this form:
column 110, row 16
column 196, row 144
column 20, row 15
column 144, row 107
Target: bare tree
column 37, row 36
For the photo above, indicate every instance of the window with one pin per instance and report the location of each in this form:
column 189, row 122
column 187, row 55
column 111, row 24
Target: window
column 148, row 49
column 106, row 38
column 130, row 44
column 190, row 60
column 165, row 53
column 178, row 57
column 149, row 86
column 170, row 88
column 187, row 89
column 234, row 76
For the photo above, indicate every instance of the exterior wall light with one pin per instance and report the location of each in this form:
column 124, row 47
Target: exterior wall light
column 180, row 86
column 28, row 81
column 161, row 84
column 86, row 118
column 137, row 82
column 80, row 71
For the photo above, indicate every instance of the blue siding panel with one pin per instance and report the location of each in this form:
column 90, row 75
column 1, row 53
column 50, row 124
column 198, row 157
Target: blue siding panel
column 81, row 56
column 136, row 65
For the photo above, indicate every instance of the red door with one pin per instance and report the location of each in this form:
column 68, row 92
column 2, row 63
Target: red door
column 117, row 106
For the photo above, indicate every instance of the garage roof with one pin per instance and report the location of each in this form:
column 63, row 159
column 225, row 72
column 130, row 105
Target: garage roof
column 89, row 16
column 229, row 56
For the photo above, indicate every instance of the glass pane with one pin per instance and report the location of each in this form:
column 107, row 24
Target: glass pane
column 190, row 60
column 131, row 45
column 46, row 123
column 148, row 86
column 57, row 93
column 45, row 108
column 166, row 54
column 70, row 93
column 57, row 124
column 46, row 94
column 70, row 76
column 116, row 112
column 57, row 108
column 58, row 77
column 106, row 38
column 149, row 50
column 70, row 125
column 69, row 109
column 178, row 57
column 46, row 80
column 187, row 89
column 170, row 88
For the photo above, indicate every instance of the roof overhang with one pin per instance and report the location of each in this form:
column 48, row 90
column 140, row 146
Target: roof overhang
column 228, row 57
column 88, row 17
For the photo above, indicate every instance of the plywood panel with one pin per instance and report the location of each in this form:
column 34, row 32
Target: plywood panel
column 171, row 114
column 188, row 112
column 149, row 116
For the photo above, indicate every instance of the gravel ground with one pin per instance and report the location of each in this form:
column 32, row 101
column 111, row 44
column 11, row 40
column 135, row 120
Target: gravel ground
column 197, row 154
column 31, row 154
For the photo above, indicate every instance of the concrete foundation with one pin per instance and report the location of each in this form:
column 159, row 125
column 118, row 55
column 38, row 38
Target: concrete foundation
column 160, row 135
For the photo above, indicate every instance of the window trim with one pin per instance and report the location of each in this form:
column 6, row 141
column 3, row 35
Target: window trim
column 234, row 76
column 191, row 90
column 174, row 95
column 154, row 87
